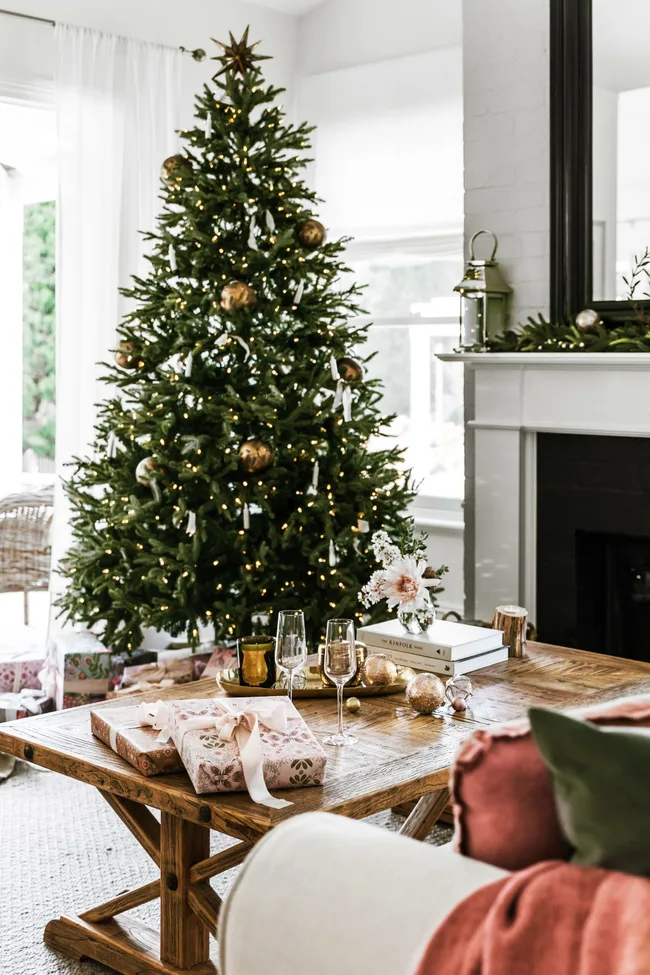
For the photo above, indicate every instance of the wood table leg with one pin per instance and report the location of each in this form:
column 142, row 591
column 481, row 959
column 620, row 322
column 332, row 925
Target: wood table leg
column 184, row 939
column 426, row 814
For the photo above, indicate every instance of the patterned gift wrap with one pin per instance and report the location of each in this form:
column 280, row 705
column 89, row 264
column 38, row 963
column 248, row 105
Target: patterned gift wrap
column 23, row 704
column 222, row 658
column 291, row 757
column 19, row 670
column 119, row 728
column 173, row 671
column 77, row 670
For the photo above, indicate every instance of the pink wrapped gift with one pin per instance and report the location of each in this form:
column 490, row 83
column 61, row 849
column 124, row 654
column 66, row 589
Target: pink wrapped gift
column 254, row 743
column 19, row 670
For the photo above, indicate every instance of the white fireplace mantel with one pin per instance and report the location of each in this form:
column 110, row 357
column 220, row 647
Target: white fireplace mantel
column 509, row 399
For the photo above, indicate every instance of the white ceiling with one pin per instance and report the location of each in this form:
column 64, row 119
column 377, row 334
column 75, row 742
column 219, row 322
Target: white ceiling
column 296, row 7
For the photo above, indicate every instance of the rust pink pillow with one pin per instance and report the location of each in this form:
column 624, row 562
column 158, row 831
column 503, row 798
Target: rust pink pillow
column 504, row 810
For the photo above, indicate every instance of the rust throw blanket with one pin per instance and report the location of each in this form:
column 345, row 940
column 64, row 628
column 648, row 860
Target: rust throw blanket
column 553, row 918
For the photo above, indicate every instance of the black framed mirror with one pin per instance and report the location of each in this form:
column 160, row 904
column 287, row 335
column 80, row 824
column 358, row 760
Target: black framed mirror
column 600, row 178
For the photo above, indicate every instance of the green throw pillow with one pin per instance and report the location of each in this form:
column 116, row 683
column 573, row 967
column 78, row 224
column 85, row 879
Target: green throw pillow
column 601, row 781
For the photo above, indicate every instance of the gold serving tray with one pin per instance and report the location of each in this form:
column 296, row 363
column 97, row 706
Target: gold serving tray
column 313, row 686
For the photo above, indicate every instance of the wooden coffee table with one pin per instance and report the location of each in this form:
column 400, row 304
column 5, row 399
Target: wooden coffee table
column 400, row 757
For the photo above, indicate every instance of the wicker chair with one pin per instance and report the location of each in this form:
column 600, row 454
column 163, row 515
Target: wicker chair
column 25, row 550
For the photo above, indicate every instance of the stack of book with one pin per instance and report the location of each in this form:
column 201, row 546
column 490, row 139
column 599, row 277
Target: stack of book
column 446, row 648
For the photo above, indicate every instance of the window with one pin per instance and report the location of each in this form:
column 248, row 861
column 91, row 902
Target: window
column 27, row 268
column 389, row 167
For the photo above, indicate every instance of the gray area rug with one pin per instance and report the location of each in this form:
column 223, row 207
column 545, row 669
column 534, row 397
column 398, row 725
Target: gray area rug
column 62, row 850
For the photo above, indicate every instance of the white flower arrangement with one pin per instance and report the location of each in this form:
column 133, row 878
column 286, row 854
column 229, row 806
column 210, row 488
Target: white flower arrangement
column 404, row 579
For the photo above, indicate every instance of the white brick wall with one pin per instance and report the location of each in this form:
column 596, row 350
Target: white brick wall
column 506, row 128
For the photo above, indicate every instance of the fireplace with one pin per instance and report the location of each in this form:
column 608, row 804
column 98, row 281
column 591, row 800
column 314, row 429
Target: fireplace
column 593, row 543
column 557, row 484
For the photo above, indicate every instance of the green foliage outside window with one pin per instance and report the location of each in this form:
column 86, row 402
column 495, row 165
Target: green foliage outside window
column 38, row 329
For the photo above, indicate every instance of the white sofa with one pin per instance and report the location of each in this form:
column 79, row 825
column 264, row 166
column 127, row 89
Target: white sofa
column 324, row 895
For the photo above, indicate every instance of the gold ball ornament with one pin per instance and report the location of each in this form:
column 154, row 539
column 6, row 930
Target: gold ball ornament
column 587, row 320
column 237, row 295
column 126, row 357
column 353, row 704
column 425, row 693
column 379, row 669
column 311, row 234
column 349, row 369
column 172, row 168
column 255, row 456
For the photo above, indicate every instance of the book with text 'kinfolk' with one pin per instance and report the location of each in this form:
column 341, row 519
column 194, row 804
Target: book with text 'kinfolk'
column 446, row 668
column 444, row 639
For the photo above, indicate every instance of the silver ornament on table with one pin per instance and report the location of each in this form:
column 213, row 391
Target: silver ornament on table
column 458, row 691
column 425, row 693
column 587, row 320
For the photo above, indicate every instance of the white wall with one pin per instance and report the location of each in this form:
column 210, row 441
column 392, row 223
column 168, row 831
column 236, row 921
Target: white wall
column 26, row 52
column 506, row 97
column 344, row 33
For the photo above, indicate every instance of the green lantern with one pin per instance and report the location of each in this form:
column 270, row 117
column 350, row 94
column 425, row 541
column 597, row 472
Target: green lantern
column 484, row 297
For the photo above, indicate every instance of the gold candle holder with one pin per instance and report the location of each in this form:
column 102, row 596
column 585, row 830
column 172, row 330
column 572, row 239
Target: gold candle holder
column 361, row 652
column 256, row 661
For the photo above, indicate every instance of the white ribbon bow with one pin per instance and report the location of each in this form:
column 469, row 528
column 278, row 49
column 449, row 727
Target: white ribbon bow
column 230, row 724
column 23, row 700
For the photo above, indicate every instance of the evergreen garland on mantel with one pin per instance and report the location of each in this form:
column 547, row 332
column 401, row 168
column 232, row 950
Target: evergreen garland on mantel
column 540, row 335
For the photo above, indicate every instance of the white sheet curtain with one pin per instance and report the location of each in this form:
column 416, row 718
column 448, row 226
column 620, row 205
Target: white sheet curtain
column 117, row 106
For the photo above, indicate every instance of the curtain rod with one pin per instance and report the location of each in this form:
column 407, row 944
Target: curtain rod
column 198, row 54
column 14, row 13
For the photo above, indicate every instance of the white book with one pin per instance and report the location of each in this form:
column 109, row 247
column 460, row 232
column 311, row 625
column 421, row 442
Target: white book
column 444, row 639
column 446, row 668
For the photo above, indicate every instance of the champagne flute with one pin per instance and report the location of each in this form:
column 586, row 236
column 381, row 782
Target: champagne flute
column 340, row 664
column 290, row 644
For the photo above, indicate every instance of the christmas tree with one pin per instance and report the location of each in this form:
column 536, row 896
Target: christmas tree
column 231, row 473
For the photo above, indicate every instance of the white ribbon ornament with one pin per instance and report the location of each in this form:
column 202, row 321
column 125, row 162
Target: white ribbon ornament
column 208, row 125
column 252, row 242
column 111, row 445
column 299, row 293
column 270, row 222
column 171, row 255
column 247, row 517
column 231, row 724
column 313, row 487
column 188, row 365
column 343, row 395
column 191, row 523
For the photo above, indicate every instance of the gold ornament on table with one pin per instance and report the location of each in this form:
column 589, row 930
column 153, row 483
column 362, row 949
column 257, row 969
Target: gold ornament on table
column 458, row 691
column 255, row 456
column 311, row 234
column 237, row 295
column 238, row 56
column 379, row 669
column 588, row 320
column 127, row 357
column 353, row 704
column 171, row 168
column 349, row 369
column 425, row 693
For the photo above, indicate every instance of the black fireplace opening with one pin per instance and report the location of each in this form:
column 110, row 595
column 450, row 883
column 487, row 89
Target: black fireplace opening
column 593, row 543
column 613, row 594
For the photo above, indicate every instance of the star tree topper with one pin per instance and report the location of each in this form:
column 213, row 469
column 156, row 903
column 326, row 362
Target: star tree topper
column 238, row 55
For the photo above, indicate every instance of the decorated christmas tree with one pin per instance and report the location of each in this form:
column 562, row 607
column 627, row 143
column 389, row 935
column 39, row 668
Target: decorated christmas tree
column 231, row 473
